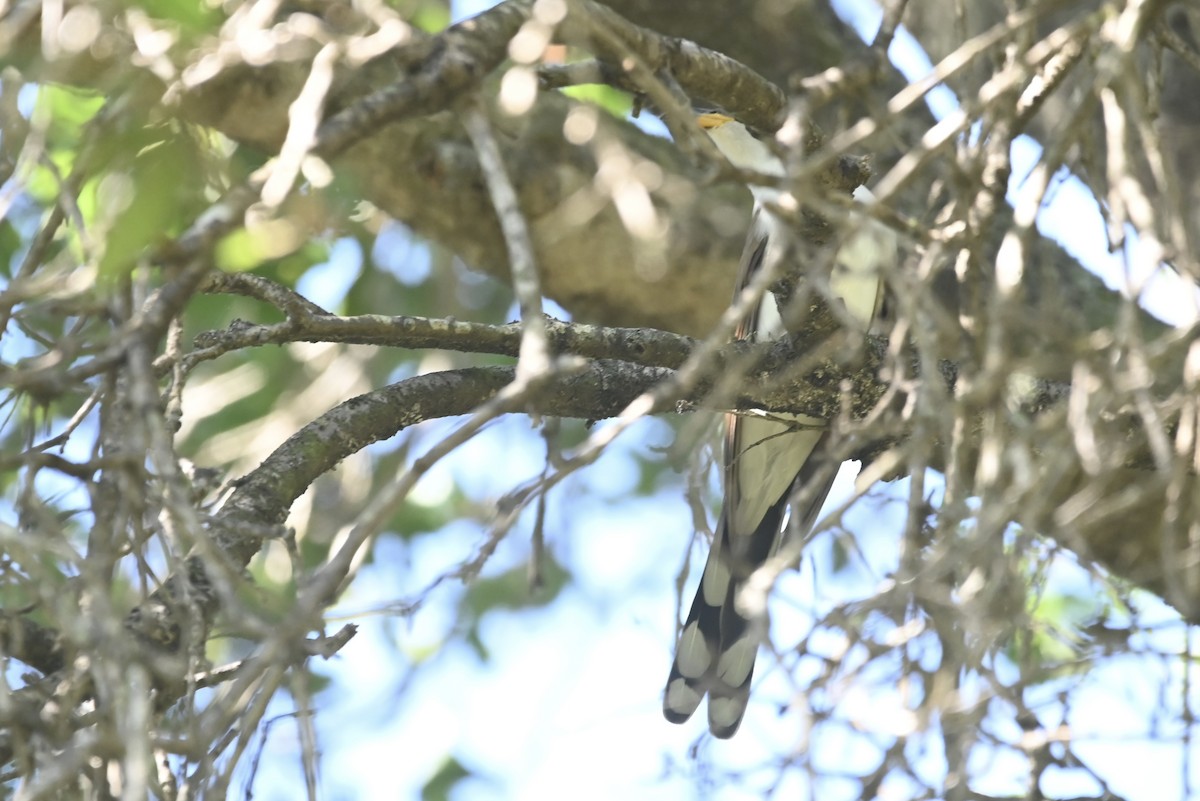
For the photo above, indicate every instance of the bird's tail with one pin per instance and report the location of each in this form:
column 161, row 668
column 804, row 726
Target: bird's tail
column 718, row 644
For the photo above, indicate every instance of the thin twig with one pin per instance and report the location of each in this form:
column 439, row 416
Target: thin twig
column 534, row 354
column 304, row 117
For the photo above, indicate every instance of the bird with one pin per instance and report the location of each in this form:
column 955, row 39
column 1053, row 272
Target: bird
column 764, row 457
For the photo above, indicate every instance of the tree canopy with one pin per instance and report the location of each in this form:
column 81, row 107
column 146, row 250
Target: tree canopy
column 340, row 333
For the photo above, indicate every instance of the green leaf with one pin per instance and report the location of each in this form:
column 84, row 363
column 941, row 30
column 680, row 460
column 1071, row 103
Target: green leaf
column 194, row 19
column 1053, row 643
column 10, row 244
column 69, row 111
column 275, row 246
column 448, row 774
column 511, row 590
column 147, row 199
column 241, row 251
column 431, row 17
column 45, row 180
column 614, row 101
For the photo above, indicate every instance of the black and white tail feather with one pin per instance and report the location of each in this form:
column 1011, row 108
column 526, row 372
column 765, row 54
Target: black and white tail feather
column 765, row 459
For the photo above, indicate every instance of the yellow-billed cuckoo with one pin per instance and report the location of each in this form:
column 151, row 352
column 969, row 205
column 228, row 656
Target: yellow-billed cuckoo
column 764, row 459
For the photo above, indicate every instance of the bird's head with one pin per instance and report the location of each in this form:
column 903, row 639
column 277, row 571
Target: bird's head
column 738, row 144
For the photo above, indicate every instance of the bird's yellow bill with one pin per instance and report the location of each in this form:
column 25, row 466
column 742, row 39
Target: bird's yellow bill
column 713, row 119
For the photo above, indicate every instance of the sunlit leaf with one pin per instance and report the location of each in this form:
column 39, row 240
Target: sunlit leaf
column 1052, row 643
column 148, row 200
column 614, row 101
column 431, row 17
column 192, row 18
column 68, row 111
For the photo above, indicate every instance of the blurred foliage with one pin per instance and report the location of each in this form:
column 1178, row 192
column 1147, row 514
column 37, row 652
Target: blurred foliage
column 1054, row 644
column 128, row 179
column 431, row 17
column 149, row 191
column 509, row 590
column 64, row 112
column 612, row 100
column 444, row 780
column 138, row 179
column 192, row 21
column 10, row 243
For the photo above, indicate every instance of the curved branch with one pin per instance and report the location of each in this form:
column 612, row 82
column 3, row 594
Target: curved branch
column 460, row 59
column 32, row 643
column 637, row 345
